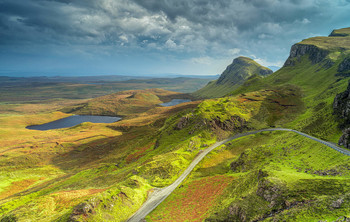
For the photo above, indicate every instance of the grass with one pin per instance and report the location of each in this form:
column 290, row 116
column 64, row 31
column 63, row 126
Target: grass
column 104, row 172
column 290, row 163
column 65, row 167
column 318, row 87
column 192, row 201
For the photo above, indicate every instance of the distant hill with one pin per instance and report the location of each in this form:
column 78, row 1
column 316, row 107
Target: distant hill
column 234, row 75
column 23, row 90
column 126, row 103
column 274, row 68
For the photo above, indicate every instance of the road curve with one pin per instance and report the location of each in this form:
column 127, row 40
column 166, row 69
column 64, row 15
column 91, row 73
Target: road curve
column 160, row 194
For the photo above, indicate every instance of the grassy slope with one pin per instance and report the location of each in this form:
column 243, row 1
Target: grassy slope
column 53, row 171
column 281, row 176
column 112, row 175
column 278, row 163
column 234, row 75
column 318, row 86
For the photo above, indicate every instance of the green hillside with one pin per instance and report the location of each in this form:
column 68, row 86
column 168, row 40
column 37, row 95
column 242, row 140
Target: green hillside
column 234, row 75
column 104, row 172
column 319, row 68
column 277, row 176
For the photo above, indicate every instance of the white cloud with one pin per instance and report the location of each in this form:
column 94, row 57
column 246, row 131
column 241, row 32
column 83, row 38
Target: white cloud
column 170, row 44
column 124, row 38
column 234, row 51
column 305, row 21
column 202, row 60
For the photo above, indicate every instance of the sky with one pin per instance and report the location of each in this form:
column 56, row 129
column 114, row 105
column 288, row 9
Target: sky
column 152, row 37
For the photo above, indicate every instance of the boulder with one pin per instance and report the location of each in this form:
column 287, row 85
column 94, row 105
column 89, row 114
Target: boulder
column 337, row 203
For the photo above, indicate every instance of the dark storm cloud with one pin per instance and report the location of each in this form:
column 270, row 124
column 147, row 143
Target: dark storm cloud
column 197, row 30
column 106, row 21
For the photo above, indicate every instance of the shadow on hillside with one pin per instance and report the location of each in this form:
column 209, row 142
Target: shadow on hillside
column 281, row 105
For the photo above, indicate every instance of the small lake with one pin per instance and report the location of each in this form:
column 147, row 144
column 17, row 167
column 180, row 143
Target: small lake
column 73, row 121
column 175, row 102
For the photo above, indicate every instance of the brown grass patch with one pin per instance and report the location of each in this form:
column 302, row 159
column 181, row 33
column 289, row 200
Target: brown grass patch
column 193, row 201
column 217, row 159
column 16, row 187
column 65, row 199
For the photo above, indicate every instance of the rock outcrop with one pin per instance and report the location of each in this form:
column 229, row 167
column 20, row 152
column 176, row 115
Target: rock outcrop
column 234, row 123
column 341, row 107
column 84, row 209
column 337, row 203
column 345, row 138
column 298, row 50
column 341, row 104
column 344, row 66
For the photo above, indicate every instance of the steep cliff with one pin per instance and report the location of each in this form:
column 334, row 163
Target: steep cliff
column 314, row 53
column 341, row 106
column 325, row 50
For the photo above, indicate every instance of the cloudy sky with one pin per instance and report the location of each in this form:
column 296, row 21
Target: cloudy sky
column 94, row 37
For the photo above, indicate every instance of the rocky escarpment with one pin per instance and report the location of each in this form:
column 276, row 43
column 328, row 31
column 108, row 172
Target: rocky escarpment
column 344, row 66
column 315, row 53
column 234, row 123
column 341, row 107
column 344, row 140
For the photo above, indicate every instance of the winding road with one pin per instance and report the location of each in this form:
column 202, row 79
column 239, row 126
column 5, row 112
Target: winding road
column 160, row 194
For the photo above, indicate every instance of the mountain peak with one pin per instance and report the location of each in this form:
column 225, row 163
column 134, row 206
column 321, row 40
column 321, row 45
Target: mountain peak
column 242, row 68
column 234, row 75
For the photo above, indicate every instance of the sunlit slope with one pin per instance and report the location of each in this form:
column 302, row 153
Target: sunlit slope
column 319, row 66
column 45, row 175
column 234, row 75
column 107, row 171
column 271, row 176
column 126, row 103
column 276, row 176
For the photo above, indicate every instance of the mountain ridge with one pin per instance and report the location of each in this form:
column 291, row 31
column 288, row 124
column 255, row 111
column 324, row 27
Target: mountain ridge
column 234, row 75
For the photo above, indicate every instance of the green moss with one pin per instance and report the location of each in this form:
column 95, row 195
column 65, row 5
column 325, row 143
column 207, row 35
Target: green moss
column 118, row 204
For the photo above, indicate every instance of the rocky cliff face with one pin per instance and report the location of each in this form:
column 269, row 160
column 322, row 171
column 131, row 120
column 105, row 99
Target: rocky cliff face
column 341, row 106
column 315, row 53
column 318, row 48
column 344, row 66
